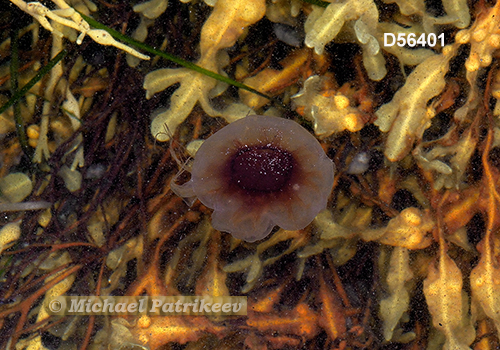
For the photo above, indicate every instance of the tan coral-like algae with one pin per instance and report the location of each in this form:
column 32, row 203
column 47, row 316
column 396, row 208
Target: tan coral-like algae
column 221, row 30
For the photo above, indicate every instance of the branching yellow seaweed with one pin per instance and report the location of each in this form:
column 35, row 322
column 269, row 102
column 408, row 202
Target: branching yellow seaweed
column 407, row 116
column 221, row 30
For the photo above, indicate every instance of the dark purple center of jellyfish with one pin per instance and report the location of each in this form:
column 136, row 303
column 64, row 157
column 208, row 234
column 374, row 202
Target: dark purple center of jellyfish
column 262, row 168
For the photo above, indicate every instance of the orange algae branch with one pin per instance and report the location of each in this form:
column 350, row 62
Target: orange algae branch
column 25, row 306
column 266, row 304
column 275, row 81
column 150, row 281
column 332, row 318
column 281, row 327
column 212, row 282
column 459, row 213
column 266, row 316
column 485, row 277
column 301, row 321
column 155, row 332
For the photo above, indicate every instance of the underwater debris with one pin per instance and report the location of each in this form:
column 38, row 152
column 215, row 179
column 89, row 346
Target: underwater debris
column 288, row 34
column 359, row 164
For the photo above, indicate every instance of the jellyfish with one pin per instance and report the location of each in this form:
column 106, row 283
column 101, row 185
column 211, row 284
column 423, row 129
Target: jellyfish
column 259, row 172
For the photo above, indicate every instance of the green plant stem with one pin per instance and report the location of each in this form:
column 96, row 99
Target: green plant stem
column 317, row 2
column 14, row 85
column 41, row 73
column 137, row 44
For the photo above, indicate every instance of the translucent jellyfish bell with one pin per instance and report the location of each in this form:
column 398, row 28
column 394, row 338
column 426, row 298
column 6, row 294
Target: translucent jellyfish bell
column 258, row 172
